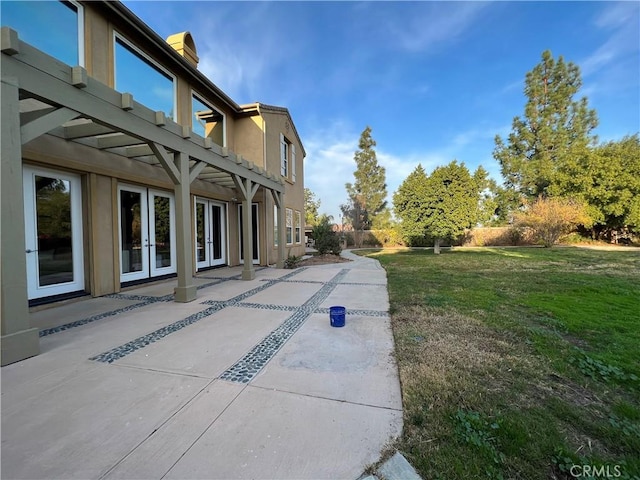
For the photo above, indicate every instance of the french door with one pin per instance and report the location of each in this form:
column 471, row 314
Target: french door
column 147, row 233
column 211, row 233
column 254, row 233
column 53, row 232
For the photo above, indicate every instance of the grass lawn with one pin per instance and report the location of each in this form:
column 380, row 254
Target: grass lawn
column 518, row 362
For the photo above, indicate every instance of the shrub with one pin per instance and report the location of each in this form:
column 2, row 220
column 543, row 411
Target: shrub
column 551, row 218
column 326, row 240
column 292, row 261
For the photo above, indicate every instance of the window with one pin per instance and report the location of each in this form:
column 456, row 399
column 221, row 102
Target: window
column 56, row 28
column 298, row 222
column 287, row 159
column 275, row 226
column 207, row 121
column 284, row 156
column 289, row 226
column 149, row 84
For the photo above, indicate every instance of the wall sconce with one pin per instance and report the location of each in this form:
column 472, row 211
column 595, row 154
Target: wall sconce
column 234, row 199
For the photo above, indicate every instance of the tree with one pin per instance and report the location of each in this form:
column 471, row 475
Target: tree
column 608, row 180
column 452, row 203
column 441, row 206
column 554, row 128
column 311, row 207
column 326, row 240
column 550, row 218
column 409, row 206
column 366, row 196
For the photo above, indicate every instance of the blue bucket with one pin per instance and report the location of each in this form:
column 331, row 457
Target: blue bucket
column 337, row 314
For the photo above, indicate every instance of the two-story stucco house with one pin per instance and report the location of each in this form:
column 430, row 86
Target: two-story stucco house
column 122, row 163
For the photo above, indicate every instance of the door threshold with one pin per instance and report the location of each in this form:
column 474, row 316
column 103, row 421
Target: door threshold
column 144, row 281
column 36, row 302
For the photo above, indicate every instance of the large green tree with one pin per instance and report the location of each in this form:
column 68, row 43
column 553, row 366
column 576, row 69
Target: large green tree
column 442, row 205
column 409, row 203
column 367, row 194
column 608, row 180
column 555, row 127
column 311, row 207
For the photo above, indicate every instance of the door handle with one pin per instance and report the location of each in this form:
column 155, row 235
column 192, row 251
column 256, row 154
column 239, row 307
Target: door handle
column 30, row 251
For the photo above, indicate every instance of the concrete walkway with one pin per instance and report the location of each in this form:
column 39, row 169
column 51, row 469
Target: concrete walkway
column 249, row 381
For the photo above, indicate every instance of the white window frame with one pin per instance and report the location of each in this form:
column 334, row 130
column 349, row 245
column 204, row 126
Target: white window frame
column 276, row 234
column 224, row 116
column 289, row 225
column 80, row 25
column 284, row 157
column 293, row 162
column 298, row 227
column 118, row 36
column 80, row 13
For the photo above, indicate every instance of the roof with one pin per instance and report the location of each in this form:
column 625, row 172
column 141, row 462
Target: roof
column 257, row 108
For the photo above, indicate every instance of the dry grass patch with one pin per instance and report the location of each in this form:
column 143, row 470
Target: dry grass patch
column 517, row 363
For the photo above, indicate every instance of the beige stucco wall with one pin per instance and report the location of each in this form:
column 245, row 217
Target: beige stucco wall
column 249, row 139
column 276, row 123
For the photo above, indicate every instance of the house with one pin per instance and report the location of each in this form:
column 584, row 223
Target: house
column 123, row 163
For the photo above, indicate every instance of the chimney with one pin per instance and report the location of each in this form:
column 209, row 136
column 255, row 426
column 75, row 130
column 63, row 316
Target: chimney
column 184, row 45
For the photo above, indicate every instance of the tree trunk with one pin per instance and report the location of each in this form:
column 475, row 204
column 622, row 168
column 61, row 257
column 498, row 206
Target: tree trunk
column 436, row 246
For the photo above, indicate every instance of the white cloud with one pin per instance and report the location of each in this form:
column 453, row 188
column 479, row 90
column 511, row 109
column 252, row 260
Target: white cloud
column 434, row 24
column 622, row 20
column 239, row 58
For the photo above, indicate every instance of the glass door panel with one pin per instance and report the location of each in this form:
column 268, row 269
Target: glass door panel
column 254, row 233
column 211, row 233
column 218, row 234
column 134, row 258
column 162, row 234
column 53, row 233
column 202, row 235
column 53, row 224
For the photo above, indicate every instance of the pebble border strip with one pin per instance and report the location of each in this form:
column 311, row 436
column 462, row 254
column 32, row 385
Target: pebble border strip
column 121, row 351
column 245, row 369
column 145, row 300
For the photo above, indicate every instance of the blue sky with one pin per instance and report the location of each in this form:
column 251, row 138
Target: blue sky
column 436, row 81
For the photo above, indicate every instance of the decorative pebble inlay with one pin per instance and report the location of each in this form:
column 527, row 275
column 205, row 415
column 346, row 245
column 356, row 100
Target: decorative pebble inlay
column 248, row 366
column 116, row 353
column 145, row 300
column 245, row 369
column 61, row 328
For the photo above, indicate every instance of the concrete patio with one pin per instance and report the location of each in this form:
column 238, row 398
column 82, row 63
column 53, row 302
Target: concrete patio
column 248, row 381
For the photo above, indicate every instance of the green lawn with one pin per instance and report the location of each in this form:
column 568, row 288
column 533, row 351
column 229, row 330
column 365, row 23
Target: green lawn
column 518, row 362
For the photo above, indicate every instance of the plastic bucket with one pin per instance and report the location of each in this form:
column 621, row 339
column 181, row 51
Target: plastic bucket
column 337, row 314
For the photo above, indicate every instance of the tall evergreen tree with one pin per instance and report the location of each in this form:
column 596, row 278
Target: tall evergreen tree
column 553, row 128
column 367, row 194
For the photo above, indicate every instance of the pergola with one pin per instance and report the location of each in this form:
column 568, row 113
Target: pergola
column 43, row 95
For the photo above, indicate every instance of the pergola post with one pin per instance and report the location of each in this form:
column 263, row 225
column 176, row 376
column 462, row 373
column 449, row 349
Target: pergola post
column 247, row 190
column 278, row 198
column 186, row 290
column 19, row 340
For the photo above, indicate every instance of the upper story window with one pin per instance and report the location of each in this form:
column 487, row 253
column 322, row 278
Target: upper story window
column 287, row 158
column 150, row 84
column 56, row 28
column 207, row 121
